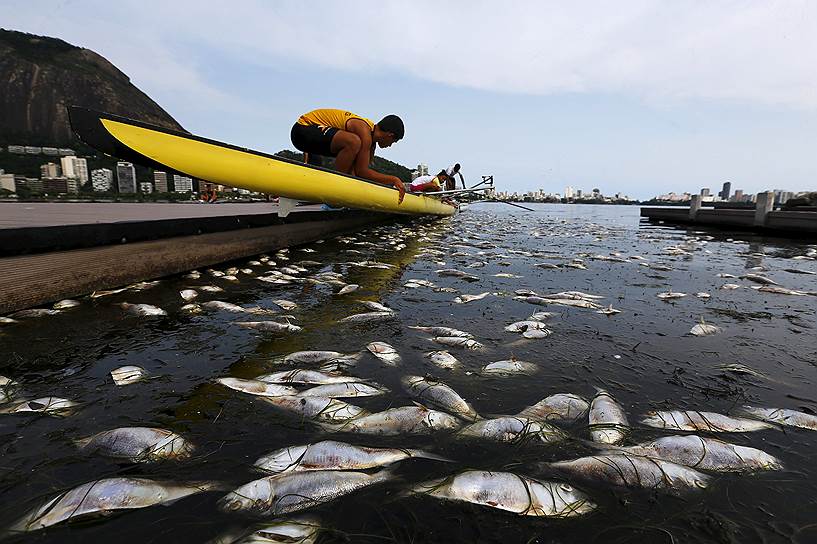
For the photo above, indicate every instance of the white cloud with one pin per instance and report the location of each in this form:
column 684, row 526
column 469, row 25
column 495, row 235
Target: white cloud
column 745, row 51
column 756, row 52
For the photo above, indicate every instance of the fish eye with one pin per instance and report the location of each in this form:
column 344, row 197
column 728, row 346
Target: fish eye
column 566, row 487
column 700, row 484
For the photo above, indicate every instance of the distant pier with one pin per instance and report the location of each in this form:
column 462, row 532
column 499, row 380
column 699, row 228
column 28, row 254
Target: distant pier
column 763, row 218
column 51, row 251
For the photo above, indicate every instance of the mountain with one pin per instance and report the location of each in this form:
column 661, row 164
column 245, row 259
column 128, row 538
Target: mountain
column 40, row 76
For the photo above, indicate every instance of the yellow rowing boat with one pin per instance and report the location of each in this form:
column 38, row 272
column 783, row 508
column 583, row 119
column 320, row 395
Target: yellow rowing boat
column 226, row 164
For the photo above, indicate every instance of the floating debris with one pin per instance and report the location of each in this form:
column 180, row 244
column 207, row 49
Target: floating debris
column 129, row 374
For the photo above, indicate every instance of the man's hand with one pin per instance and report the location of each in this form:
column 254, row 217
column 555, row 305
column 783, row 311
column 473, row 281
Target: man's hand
column 400, row 187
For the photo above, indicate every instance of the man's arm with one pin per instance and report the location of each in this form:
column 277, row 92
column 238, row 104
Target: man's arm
column 364, row 157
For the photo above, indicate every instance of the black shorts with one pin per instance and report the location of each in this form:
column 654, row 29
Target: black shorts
column 313, row 139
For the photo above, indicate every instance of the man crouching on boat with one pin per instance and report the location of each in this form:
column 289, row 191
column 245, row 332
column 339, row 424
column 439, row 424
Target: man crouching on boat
column 424, row 184
column 351, row 139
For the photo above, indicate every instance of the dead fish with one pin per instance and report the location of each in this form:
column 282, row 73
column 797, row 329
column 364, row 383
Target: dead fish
column 730, row 286
column 799, row 271
column 541, row 316
column 437, row 394
column 344, row 390
column 725, row 275
column 33, row 313
column 137, row 444
column 305, row 377
column 385, row 352
column 703, row 295
column 269, row 326
column 320, row 409
column 420, row 283
column 143, row 285
column 66, row 304
column 129, row 374
column 577, row 303
column 509, row 492
column 105, row 293
column 780, row 290
column 332, row 455
column 229, row 277
column 513, row 429
column 443, row 331
column 506, row 275
column 757, row 278
column 607, row 419
column 368, row 317
column 547, row 266
column 457, row 274
column 443, row 359
column 7, row 321
column 291, row 492
column 527, row 325
column 705, row 454
column 297, row 530
column 669, row 295
column 143, row 310
column 312, row 357
column 192, row 309
column 212, row 288
column 782, row 416
column 633, row 471
column 101, row 497
column 375, row 306
column 704, row 329
column 691, row 420
column 257, row 387
column 575, row 295
column 399, row 421
column 462, row 299
column 351, row 288
column 509, row 367
column 565, row 407
column 188, row 294
column 608, row 311
column 43, row 405
column 458, row 342
column 222, row 306
column 194, row 275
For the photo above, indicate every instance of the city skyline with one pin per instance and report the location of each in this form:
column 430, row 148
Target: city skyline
column 635, row 104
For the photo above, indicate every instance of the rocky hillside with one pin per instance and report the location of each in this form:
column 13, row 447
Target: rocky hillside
column 40, row 76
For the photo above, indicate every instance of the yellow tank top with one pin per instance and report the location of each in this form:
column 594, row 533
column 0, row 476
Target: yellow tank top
column 331, row 118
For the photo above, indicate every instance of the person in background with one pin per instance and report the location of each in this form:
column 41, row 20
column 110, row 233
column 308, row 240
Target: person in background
column 423, row 184
column 450, row 172
column 351, row 139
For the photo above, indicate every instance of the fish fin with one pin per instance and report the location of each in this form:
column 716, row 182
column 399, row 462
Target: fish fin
column 81, row 442
column 420, row 454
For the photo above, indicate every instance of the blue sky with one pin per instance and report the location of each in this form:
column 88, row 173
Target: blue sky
column 643, row 97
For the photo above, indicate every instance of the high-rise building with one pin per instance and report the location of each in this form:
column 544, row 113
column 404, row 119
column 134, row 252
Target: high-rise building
column 102, row 180
column 60, row 185
column 422, row 169
column 50, row 170
column 146, row 187
column 727, row 188
column 738, row 195
column 126, row 177
column 160, row 181
column 182, row 184
column 569, row 192
column 7, row 182
column 705, row 191
column 67, row 164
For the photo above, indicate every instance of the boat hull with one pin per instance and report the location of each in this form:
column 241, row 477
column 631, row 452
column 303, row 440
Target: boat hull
column 217, row 162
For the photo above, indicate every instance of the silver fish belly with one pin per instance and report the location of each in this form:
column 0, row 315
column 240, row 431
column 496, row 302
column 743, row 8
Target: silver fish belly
column 510, row 492
column 439, row 395
column 607, row 419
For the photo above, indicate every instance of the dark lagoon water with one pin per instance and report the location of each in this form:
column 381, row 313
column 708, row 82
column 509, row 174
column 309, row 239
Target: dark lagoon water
column 643, row 356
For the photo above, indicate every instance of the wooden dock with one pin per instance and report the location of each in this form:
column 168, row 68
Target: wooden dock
column 51, row 251
column 764, row 218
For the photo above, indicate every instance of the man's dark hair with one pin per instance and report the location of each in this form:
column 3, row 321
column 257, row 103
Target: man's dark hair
column 393, row 124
